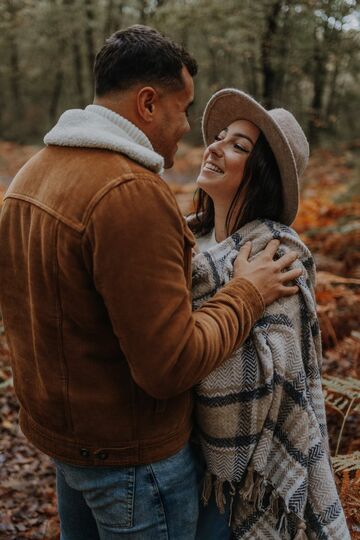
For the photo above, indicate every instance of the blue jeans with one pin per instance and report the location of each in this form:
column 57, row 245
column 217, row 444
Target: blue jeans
column 158, row 501
column 212, row 525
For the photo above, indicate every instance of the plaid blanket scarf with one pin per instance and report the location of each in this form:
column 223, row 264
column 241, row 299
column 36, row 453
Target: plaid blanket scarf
column 261, row 415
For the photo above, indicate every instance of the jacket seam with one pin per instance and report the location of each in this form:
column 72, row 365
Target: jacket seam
column 60, row 347
column 71, row 224
column 98, row 197
column 81, row 227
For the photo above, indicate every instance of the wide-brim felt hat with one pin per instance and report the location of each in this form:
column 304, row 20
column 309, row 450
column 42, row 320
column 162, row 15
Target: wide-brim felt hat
column 281, row 129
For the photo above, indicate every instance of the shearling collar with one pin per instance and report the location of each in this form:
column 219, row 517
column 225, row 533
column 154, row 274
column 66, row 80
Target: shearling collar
column 99, row 127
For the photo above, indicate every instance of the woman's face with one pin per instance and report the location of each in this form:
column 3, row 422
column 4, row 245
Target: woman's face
column 224, row 160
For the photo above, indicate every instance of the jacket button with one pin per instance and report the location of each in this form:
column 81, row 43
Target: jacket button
column 102, row 455
column 84, row 452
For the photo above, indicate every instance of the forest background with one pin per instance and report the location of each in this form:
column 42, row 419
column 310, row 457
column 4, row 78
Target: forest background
column 302, row 55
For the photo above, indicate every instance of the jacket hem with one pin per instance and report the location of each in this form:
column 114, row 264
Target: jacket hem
column 127, row 453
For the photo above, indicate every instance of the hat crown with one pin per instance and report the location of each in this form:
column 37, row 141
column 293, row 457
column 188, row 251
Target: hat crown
column 294, row 135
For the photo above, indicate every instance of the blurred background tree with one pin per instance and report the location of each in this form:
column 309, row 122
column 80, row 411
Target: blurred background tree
column 303, row 55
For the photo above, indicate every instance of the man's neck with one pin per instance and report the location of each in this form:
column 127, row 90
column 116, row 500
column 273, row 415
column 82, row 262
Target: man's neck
column 119, row 105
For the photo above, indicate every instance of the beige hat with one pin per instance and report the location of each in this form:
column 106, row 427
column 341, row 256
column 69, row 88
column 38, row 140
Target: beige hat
column 282, row 131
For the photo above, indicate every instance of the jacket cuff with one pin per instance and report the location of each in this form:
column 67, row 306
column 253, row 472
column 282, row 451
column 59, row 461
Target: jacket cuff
column 252, row 297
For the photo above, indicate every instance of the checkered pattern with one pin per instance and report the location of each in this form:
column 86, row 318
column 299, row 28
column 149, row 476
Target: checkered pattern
column 261, row 415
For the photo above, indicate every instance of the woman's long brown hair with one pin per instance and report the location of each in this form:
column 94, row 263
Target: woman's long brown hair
column 259, row 195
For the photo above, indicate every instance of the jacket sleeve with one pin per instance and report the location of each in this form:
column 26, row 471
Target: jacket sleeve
column 136, row 236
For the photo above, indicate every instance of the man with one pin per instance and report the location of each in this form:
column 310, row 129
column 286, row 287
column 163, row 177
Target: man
column 95, row 274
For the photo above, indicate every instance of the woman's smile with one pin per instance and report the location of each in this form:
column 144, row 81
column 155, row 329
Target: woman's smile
column 212, row 167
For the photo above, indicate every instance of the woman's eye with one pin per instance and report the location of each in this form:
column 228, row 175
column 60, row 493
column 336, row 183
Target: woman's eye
column 241, row 148
column 217, row 138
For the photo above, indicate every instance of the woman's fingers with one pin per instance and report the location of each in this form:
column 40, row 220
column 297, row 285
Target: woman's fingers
column 289, row 291
column 291, row 275
column 268, row 276
column 271, row 248
column 286, row 260
column 244, row 252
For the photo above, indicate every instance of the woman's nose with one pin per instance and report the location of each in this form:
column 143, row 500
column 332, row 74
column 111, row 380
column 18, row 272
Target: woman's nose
column 215, row 148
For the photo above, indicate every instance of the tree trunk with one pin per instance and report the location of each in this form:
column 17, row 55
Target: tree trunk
column 77, row 59
column 266, row 54
column 319, row 80
column 338, row 61
column 283, row 55
column 330, row 109
column 15, row 75
column 108, row 19
column 78, row 71
column 56, row 94
column 89, row 38
column 252, row 74
column 113, row 18
column 327, row 41
column 212, row 71
column 143, row 4
column 315, row 123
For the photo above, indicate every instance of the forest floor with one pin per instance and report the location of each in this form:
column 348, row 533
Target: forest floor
column 329, row 223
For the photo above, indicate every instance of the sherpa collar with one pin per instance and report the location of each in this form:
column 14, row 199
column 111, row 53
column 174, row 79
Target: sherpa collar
column 99, row 127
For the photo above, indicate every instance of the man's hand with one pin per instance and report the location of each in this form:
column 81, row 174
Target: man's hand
column 267, row 275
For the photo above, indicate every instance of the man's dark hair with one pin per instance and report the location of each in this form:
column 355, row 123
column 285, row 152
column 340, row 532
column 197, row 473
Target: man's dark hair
column 259, row 191
column 140, row 54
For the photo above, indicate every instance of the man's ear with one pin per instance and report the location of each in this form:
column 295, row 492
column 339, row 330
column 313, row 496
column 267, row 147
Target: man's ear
column 147, row 101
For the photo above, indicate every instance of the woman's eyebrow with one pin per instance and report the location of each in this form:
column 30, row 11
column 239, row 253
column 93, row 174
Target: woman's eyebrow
column 243, row 136
column 239, row 135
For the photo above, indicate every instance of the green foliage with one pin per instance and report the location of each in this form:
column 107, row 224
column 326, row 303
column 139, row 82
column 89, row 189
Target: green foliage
column 301, row 55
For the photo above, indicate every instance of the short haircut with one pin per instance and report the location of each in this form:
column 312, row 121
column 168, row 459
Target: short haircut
column 140, row 54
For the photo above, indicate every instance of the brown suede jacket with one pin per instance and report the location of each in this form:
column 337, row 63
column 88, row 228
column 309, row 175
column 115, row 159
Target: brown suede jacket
column 95, row 277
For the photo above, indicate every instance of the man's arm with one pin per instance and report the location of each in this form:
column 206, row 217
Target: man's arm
column 137, row 239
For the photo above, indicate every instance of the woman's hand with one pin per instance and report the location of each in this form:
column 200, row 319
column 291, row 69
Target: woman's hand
column 267, row 275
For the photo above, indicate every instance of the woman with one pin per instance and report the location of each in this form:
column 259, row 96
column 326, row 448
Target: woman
column 260, row 416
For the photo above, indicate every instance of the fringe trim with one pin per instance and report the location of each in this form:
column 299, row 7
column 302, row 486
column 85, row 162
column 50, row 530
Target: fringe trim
column 207, row 488
column 274, row 503
column 282, row 524
column 232, row 494
column 247, row 491
column 220, row 499
column 301, row 528
column 219, row 495
column 253, row 491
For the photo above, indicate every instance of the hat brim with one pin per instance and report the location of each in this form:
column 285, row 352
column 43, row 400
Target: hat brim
column 229, row 105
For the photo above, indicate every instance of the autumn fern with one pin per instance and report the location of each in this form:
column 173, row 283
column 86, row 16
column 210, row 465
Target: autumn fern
column 343, row 396
column 347, row 462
